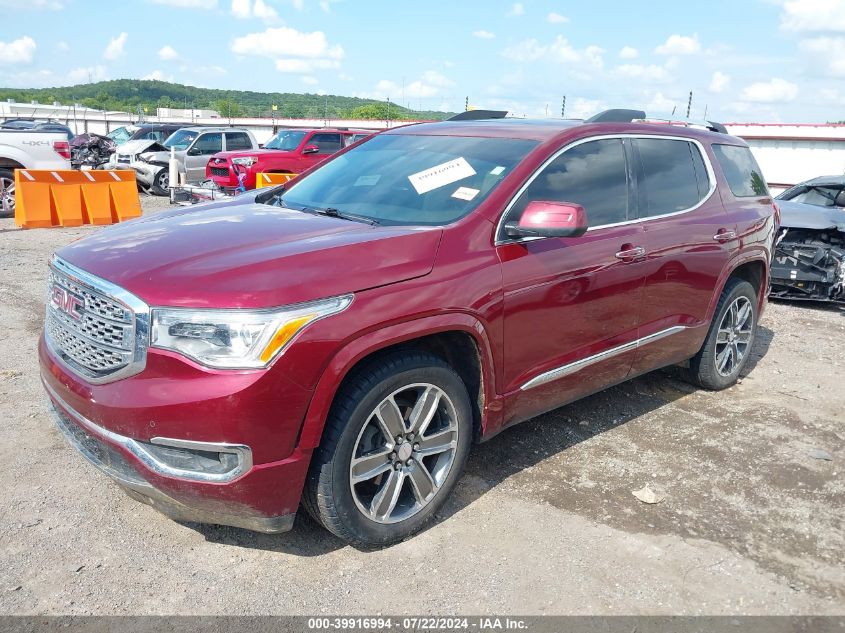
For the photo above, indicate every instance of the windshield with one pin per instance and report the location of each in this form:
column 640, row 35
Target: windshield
column 287, row 140
column 819, row 196
column 120, row 135
column 180, row 139
column 405, row 179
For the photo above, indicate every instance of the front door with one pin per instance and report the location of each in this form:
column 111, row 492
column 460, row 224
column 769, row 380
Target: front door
column 327, row 143
column 572, row 304
column 206, row 146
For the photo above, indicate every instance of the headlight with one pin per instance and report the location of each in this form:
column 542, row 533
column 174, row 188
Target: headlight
column 249, row 161
column 236, row 339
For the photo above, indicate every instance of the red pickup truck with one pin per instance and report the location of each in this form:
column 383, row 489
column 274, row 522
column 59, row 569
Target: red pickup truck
column 291, row 151
column 342, row 341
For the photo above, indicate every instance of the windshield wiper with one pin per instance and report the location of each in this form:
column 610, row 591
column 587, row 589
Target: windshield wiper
column 337, row 213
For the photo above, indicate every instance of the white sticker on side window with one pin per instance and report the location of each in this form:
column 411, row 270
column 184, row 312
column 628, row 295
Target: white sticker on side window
column 465, row 193
column 367, row 181
column 497, row 170
column 441, row 175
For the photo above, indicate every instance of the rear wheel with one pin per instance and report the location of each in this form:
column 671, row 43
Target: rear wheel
column 395, row 444
column 7, row 193
column 728, row 344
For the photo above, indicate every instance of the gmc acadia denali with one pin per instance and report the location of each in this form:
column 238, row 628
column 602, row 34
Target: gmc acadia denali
column 341, row 342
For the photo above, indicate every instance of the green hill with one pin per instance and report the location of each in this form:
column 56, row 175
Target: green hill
column 130, row 95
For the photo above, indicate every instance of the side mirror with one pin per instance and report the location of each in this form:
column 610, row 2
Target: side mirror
column 194, row 151
column 549, row 219
column 310, row 149
column 839, row 200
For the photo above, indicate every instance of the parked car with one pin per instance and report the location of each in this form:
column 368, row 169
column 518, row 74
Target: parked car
column 194, row 146
column 809, row 260
column 291, row 151
column 343, row 340
column 143, row 137
column 28, row 148
column 47, row 125
column 122, row 134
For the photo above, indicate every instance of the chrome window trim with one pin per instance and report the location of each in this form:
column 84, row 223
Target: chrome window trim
column 241, row 451
column 711, row 175
column 578, row 365
column 141, row 324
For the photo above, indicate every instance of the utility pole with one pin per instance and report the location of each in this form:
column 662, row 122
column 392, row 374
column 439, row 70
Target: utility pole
column 563, row 108
column 388, row 112
column 466, row 105
column 689, row 104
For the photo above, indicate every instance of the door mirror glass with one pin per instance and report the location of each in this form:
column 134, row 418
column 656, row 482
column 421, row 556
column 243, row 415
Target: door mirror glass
column 839, row 200
column 549, row 219
column 310, row 149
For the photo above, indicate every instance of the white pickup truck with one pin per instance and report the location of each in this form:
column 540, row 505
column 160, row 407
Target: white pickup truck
column 28, row 149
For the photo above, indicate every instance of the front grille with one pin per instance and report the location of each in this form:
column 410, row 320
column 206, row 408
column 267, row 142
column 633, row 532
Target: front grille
column 90, row 330
column 220, row 171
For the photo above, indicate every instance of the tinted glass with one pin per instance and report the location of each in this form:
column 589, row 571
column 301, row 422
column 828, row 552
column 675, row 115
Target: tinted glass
column 700, row 171
column 286, row 140
column 409, row 179
column 328, row 143
column 209, row 143
column 669, row 177
column 237, row 140
column 592, row 174
column 741, row 171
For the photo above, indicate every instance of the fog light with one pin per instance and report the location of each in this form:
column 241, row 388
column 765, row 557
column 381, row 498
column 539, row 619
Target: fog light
column 198, row 460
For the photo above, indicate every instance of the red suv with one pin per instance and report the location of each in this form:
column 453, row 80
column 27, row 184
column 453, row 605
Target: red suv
column 343, row 342
column 291, row 151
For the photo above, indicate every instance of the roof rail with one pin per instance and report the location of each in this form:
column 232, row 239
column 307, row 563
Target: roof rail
column 476, row 115
column 618, row 115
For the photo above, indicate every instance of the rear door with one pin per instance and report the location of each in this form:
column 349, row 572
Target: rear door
column 689, row 238
column 236, row 141
column 571, row 304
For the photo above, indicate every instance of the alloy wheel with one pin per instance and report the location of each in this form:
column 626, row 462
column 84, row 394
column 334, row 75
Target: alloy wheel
column 7, row 195
column 404, row 453
column 734, row 336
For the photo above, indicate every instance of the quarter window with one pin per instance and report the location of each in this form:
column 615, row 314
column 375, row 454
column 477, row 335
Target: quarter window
column 741, row 171
column 237, row 140
column 591, row 174
column 670, row 179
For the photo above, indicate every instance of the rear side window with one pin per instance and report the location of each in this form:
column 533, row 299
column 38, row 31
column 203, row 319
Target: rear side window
column 327, row 143
column 741, row 171
column 237, row 140
column 592, row 174
column 670, row 178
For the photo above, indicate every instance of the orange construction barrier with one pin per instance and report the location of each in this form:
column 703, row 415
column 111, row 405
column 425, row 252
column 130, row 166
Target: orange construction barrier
column 45, row 198
column 270, row 180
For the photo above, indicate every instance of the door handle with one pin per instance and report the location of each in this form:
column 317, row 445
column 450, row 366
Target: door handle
column 630, row 253
column 724, row 236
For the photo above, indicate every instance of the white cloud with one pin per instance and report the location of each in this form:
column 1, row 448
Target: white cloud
column 775, row 91
column 308, row 80
column 556, row 18
column 19, row 51
column 114, row 50
column 259, row 9
column 516, row 10
column 158, row 75
column 679, row 45
column 303, row 66
column 813, row 15
column 87, row 74
column 629, row 52
column 828, row 53
column 559, row 51
column 659, row 104
column 188, row 4
column 719, row 82
column 167, row 53
column 284, row 42
column 642, row 72
column 483, row 35
column 584, row 108
column 431, row 84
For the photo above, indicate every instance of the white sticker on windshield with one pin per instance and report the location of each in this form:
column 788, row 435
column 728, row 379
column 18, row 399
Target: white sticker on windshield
column 441, row 175
column 465, row 193
column 367, row 181
column 497, row 170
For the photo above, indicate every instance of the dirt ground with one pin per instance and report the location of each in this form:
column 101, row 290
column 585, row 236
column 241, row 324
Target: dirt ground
column 543, row 522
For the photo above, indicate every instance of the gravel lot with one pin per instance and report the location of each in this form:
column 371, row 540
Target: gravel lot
column 544, row 521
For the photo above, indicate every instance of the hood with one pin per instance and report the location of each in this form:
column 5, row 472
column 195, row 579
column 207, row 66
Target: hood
column 251, row 255
column 142, row 145
column 797, row 215
column 241, row 153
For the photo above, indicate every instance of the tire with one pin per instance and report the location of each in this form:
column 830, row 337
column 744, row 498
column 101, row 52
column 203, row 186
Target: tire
column 366, row 514
column 161, row 182
column 727, row 348
column 7, row 193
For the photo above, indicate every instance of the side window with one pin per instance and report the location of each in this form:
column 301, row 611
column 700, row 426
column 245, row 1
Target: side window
column 669, row 176
column 328, row 143
column 592, row 174
column 208, row 144
column 237, row 140
column 741, row 171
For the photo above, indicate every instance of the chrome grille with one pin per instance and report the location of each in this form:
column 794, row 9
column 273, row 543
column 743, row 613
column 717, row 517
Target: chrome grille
column 99, row 337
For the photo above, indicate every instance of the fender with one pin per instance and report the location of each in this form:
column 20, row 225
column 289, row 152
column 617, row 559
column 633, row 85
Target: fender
column 348, row 356
column 10, row 154
column 757, row 254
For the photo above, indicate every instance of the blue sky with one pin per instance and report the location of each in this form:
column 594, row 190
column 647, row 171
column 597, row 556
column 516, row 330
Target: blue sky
column 746, row 60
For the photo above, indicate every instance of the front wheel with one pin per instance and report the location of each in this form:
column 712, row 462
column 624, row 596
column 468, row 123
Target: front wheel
column 727, row 348
column 161, row 182
column 396, row 442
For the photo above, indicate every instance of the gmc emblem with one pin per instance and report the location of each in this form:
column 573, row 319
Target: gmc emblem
column 67, row 302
